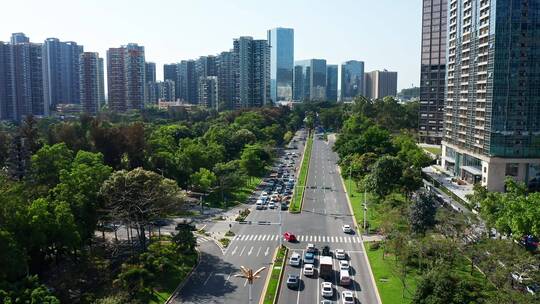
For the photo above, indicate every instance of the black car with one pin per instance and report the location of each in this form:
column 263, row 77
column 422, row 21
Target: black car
column 326, row 251
column 284, row 206
column 293, row 281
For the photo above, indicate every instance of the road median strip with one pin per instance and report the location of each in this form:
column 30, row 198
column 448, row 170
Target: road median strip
column 274, row 277
column 298, row 200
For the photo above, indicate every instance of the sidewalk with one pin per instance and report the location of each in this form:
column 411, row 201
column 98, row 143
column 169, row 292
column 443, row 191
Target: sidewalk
column 438, row 174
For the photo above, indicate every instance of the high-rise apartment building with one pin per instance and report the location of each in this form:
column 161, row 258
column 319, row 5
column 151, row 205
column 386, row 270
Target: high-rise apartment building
column 432, row 71
column 166, row 90
column 19, row 38
column 281, row 43
column 61, row 72
column 160, row 91
column 379, row 84
column 27, row 80
column 332, row 82
column 21, row 79
column 7, row 105
column 188, row 80
column 492, row 107
column 206, row 66
column 125, row 75
column 352, row 80
column 226, row 73
column 150, row 72
column 170, row 72
column 208, row 92
column 89, row 74
column 253, row 70
column 101, row 79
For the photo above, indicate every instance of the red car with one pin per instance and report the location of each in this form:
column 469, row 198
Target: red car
column 289, row 237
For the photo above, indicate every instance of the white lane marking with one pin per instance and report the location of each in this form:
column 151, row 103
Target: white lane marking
column 352, row 279
column 207, row 279
column 323, row 238
column 311, row 238
column 267, row 251
column 250, row 251
column 318, row 285
column 242, row 252
column 234, row 251
column 299, row 275
column 264, row 237
column 229, row 276
column 340, row 240
column 331, row 239
column 347, row 239
column 258, row 251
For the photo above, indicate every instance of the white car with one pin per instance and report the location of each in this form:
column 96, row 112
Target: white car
column 295, row 259
column 309, row 270
column 348, row 297
column 521, row 278
column 327, row 290
column 343, row 265
column 272, row 205
column 340, row 254
column 346, row 228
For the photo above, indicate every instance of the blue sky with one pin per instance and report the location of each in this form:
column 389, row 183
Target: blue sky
column 383, row 33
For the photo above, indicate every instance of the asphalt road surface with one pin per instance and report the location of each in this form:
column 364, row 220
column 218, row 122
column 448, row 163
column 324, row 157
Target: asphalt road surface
column 325, row 211
column 213, row 281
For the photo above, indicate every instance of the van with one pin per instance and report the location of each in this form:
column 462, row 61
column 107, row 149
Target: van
column 259, row 205
column 344, row 277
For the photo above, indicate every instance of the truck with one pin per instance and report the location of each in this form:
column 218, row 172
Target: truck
column 325, row 269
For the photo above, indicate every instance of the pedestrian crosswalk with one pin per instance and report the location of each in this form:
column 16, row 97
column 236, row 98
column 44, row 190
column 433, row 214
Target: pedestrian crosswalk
column 301, row 238
column 201, row 239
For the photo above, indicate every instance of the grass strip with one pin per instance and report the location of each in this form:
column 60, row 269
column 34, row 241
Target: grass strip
column 374, row 216
column 272, row 290
column 298, row 195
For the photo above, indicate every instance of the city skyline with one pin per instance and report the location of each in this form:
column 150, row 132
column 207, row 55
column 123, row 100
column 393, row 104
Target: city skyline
column 344, row 39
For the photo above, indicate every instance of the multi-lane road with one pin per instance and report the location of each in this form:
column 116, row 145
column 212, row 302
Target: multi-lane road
column 325, row 210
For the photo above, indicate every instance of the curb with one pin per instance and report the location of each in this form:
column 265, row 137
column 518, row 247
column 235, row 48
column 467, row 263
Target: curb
column 268, row 275
column 276, row 295
column 362, row 243
column 186, row 279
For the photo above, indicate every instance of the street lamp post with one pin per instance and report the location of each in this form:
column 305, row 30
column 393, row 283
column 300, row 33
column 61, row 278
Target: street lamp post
column 250, row 276
column 350, row 178
column 365, row 212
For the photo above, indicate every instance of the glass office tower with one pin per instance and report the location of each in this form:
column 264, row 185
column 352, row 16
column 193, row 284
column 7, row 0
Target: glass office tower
column 352, row 80
column 432, row 71
column 332, row 82
column 281, row 42
column 492, row 108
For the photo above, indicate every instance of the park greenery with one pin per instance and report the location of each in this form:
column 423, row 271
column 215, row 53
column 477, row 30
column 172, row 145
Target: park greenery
column 429, row 254
column 80, row 197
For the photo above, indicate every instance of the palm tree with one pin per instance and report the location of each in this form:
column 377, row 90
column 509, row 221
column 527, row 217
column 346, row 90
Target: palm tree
column 250, row 276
